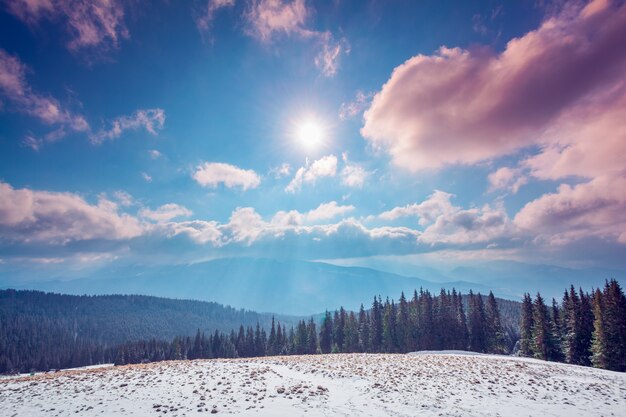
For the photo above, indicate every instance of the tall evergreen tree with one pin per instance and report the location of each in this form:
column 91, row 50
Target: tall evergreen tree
column 326, row 333
column 494, row 331
column 526, row 327
column 476, row 323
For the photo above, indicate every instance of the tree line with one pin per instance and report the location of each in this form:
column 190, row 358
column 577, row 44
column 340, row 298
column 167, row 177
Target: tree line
column 585, row 329
column 425, row 322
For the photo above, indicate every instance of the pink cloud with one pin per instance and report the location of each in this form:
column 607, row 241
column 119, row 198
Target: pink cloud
column 152, row 120
column 507, row 178
column 593, row 209
column 91, row 23
column 269, row 19
column 16, row 90
column 464, row 106
column 29, row 216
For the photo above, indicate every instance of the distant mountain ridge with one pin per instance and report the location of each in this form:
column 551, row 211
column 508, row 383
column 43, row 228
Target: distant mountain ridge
column 287, row 287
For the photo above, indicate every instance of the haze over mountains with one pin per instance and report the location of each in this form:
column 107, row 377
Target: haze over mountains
column 303, row 288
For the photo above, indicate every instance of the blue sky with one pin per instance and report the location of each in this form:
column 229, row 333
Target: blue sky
column 178, row 131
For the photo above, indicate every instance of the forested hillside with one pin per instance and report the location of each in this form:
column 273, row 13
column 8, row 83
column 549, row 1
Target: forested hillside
column 42, row 330
column 51, row 331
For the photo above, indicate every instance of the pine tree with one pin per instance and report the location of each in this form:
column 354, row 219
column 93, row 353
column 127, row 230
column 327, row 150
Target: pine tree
column 476, row 323
column 389, row 328
column 495, row 334
column 326, row 333
column 543, row 341
column 599, row 351
column 463, row 335
column 364, row 330
column 615, row 326
column 526, row 327
column 272, row 348
column 376, row 327
column 403, row 325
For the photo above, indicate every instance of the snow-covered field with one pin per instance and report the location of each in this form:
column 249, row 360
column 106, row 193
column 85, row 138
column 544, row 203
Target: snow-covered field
column 426, row 384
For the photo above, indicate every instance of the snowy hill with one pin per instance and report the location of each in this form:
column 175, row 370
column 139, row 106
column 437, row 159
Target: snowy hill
column 428, row 384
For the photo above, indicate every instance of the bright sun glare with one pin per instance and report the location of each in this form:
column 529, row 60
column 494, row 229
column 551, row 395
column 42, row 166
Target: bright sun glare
column 310, row 134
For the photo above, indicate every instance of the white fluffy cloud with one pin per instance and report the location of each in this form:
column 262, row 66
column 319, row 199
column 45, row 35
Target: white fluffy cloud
column 325, row 211
column 166, row 212
column 211, row 174
column 506, row 178
column 446, row 223
column 353, row 175
column 308, row 174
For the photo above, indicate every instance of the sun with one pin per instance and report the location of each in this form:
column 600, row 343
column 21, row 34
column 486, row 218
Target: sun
column 310, row 134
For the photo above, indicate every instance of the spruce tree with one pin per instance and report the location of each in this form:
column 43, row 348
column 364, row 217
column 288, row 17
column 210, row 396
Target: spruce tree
column 476, row 323
column 526, row 327
column 543, row 341
column 495, row 334
column 326, row 333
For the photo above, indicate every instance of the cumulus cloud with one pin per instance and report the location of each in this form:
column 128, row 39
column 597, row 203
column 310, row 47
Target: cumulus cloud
column 14, row 89
column 155, row 154
column 28, row 216
column 165, row 213
column 152, row 120
column 593, row 209
column 353, row 175
column 325, row 211
column 308, row 174
column 506, row 178
column 90, row 23
column 445, row 223
column 146, row 177
column 355, row 107
column 211, row 174
column 484, row 104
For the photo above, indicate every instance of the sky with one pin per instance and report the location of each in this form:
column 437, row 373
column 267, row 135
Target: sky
column 426, row 131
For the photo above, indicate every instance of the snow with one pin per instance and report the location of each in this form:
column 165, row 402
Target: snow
column 425, row 384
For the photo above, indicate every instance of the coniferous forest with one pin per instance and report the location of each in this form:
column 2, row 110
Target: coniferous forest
column 585, row 329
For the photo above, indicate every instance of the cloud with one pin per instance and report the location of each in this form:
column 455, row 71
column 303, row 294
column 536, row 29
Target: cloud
column 308, row 174
column 211, row 174
column 30, row 216
column 90, row 23
column 165, row 212
column 15, row 90
column 437, row 204
column 506, row 178
column 352, row 108
column 327, row 60
column 484, row 104
column 281, row 170
column 152, row 120
column 267, row 20
column 445, row 223
column 325, row 211
column 205, row 21
column 199, row 231
column 146, row 177
column 593, row 209
column 353, row 175
column 155, row 154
